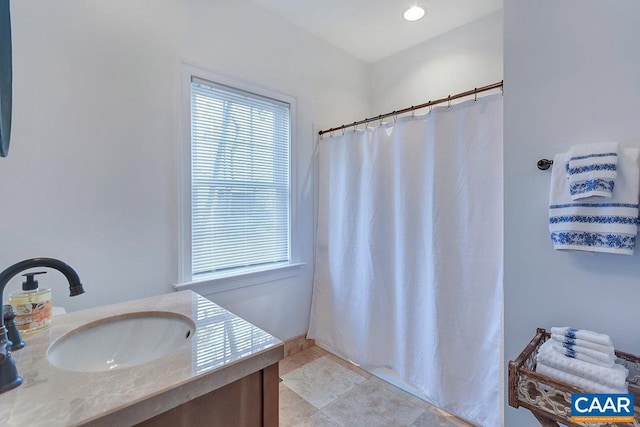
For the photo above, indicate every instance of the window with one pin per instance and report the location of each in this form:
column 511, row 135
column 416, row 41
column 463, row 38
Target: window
column 240, row 189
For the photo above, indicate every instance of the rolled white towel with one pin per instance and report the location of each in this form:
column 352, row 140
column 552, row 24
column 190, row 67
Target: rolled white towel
column 562, row 339
column 592, row 170
column 585, row 354
column 582, row 334
column 614, row 377
column 578, row 382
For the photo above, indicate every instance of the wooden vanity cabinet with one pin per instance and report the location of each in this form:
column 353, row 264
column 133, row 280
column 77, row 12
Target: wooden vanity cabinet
column 248, row 402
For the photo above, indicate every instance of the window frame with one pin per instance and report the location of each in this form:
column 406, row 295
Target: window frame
column 251, row 276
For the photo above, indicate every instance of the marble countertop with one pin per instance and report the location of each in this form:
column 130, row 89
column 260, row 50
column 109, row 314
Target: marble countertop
column 224, row 349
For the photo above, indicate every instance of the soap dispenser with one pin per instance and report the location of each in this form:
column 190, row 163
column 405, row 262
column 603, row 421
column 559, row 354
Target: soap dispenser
column 31, row 305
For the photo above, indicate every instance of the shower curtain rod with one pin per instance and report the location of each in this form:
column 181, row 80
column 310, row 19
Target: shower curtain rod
column 449, row 98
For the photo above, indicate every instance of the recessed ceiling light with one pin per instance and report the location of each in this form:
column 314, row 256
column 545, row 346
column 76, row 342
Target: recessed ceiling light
column 413, row 13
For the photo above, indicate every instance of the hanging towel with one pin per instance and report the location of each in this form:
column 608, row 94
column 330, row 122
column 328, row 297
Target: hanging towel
column 600, row 226
column 592, row 170
column 614, row 377
column 585, row 354
column 579, row 382
column 563, row 339
column 582, row 334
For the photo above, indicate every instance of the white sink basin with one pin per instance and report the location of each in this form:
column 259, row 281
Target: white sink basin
column 120, row 341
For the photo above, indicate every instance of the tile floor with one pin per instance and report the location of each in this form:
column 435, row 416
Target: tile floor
column 320, row 389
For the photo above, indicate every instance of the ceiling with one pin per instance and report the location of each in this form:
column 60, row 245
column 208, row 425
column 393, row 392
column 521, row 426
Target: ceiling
column 374, row 29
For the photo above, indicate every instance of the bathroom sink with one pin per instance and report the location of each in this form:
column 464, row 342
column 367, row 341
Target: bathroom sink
column 120, row 341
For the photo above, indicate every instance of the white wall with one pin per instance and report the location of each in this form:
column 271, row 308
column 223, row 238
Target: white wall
column 461, row 59
column 92, row 175
column 571, row 76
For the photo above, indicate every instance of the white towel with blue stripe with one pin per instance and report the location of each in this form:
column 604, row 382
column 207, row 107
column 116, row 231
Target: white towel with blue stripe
column 582, row 334
column 585, row 354
column 592, row 170
column 606, row 225
column 563, row 339
column 614, row 377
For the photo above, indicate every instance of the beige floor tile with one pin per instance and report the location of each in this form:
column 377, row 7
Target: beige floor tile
column 319, row 419
column 436, row 417
column 371, row 404
column 356, row 404
column 299, row 359
column 294, row 410
column 321, row 381
column 403, row 394
column 349, row 365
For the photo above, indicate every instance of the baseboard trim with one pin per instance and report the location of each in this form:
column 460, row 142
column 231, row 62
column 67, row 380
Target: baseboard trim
column 297, row 344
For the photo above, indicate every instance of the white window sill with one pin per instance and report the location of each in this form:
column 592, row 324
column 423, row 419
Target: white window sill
column 222, row 283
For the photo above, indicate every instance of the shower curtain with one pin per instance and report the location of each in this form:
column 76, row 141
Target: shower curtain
column 409, row 253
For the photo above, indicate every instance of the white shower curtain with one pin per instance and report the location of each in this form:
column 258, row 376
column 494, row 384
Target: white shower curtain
column 409, row 253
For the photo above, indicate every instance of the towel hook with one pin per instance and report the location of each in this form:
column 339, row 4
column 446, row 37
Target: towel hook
column 544, row 164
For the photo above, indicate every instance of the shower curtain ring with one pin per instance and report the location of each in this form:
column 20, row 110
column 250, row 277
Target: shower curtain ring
column 413, row 112
column 475, row 94
column 430, row 107
column 380, row 118
column 395, row 117
column 449, row 102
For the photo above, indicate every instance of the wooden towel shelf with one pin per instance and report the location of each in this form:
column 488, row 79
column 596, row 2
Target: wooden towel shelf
column 549, row 399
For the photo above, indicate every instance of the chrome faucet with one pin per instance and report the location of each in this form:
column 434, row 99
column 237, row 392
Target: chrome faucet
column 9, row 377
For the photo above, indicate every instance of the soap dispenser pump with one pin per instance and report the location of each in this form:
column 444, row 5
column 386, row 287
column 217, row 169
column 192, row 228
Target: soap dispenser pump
column 32, row 305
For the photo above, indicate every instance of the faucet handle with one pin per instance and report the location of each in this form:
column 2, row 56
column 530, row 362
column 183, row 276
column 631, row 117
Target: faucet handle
column 13, row 333
column 7, row 312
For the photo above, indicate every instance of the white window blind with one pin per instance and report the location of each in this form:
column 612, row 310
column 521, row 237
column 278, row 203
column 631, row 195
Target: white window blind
column 240, row 180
